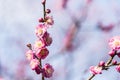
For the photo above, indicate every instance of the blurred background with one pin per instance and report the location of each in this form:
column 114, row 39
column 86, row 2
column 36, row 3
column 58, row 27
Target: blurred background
column 80, row 37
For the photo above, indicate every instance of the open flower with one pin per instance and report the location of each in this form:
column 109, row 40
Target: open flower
column 29, row 55
column 39, row 44
column 40, row 30
column 49, row 20
column 48, row 70
column 34, row 63
column 42, row 53
column 96, row 70
column 114, row 42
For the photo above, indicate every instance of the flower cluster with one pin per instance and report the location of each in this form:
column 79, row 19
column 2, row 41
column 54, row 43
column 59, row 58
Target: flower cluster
column 39, row 51
column 114, row 44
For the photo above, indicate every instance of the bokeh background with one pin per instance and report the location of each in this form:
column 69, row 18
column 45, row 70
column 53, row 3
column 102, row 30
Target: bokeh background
column 80, row 37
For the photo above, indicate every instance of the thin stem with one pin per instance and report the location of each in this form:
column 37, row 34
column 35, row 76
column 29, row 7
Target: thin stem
column 44, row 15
column 41, row 67
column 90, row 78
column 114, row 64
column 40, row 63
column 43, row 77
column 44, row 8
column 109, row 61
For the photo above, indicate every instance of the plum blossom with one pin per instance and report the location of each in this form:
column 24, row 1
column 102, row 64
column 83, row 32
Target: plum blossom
column 34, row 63
column 42, row 53
column 40, row 47
column 114, row 43
column 96, row 70
column 48, row 70
column 39, row 44
column 29, row 55
column 40, row 30
column 49, row 20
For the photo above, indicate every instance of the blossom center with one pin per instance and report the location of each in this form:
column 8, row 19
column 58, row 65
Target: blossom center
column 117, row 43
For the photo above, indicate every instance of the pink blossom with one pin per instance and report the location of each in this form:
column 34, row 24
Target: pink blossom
column 34, row 63
column 42, row 53
column 114, row 42
column 47, row 39
column 49, row 20
column 40, row 30
column 118, row 68
column 48, row 70
column 29, row 55
column 96, row 70
column 39, row 44
column 39, row 48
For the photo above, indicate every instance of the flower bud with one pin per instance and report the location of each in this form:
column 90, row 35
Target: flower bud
column 112, row 53
column 102, row 63
column 38, row 70
column 118, row 68
column 48, row 11
column 114, row 62
column 41, row 20
column 43, row 1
